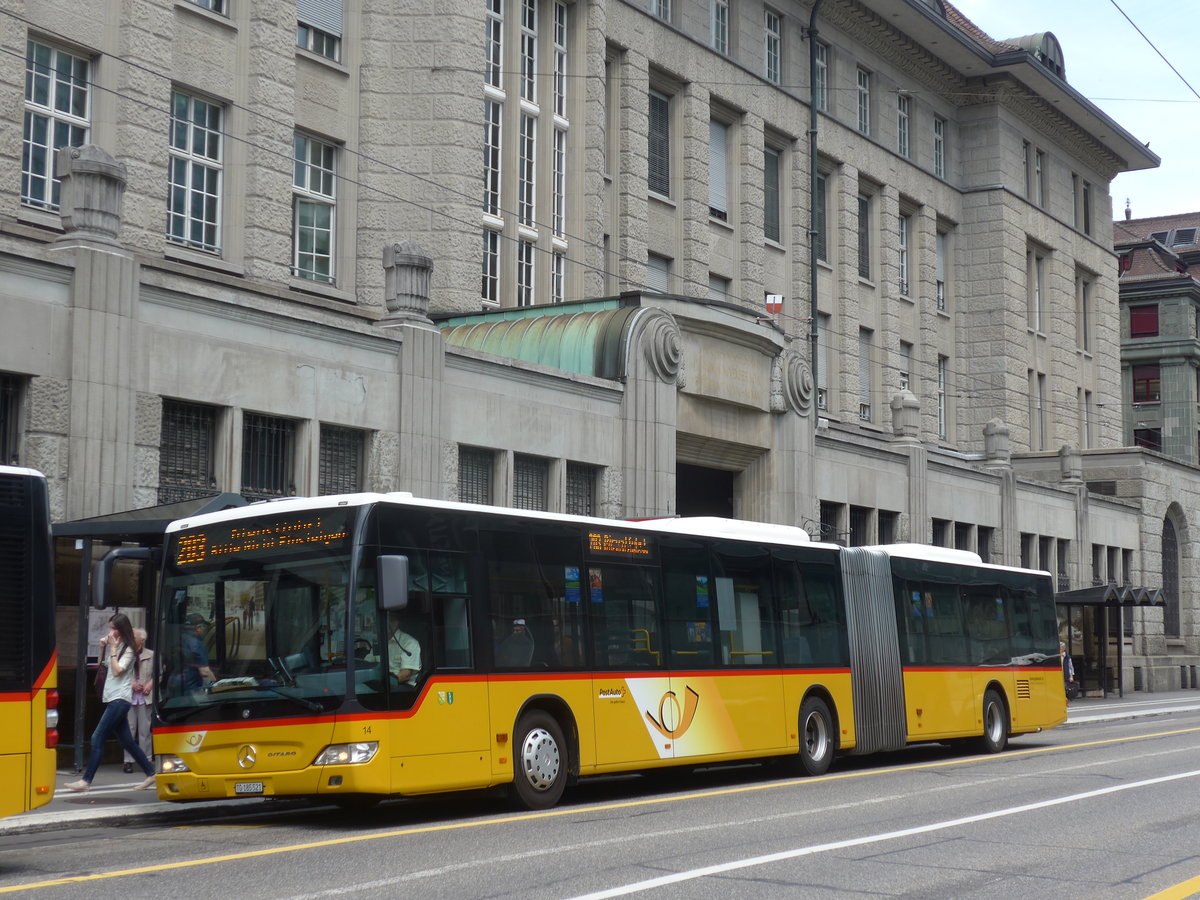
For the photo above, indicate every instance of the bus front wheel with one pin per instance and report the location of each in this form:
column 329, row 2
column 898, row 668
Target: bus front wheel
column 540, row 765
column 816, row 737
column 995, row 724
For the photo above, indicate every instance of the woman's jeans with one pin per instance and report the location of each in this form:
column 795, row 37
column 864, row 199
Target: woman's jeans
column 115, row 720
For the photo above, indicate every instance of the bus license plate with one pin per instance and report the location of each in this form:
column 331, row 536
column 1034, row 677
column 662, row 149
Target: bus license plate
column 248, row 787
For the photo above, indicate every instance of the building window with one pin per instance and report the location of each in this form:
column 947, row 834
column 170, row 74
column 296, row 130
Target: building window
column 340, row 467
column 889, row 526
column 186, row 451
column 660, row 144
column 718, row 288
column 1035, row 275
column 864, row 236
column 475, row 475
column 493, row 112
column 558, row 278
column 939, row 271
column 1040, row 420
column 529, row 34
column 1143, row 320
column 314, row 182
column 831, row 515
column 865, row 337
column 194, row 189
column 560, row 59
column 525, row 273
column 984, row 536
column 1149, row 438
column 773, row 46
column 529, row 482
column 319, row 27
column 1083, row 312
column 940, row 531
column 525, row 171
column 905, row 378
column 903, row 123
column 268, row 444
column 864, row 101
column 57, row 114
column 493, row 41
column 939, row 147
column 1147, row 384
column 1039, row 177
column 824, row 323
column 720, row 26
column 581, row 490
column 821, row 82
column 217, row 6
column 658, row 273
column 490, row 292
column 905, row 237
column 820, row 230
column 860, row 526
column 1027, row 167
column 718, row 174
column 662, row 9
column 11, row 390
column 771, row 226
column 943, row 377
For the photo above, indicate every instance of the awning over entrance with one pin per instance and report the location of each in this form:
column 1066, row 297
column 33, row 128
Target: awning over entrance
column 150, row 522
column 1111, row 595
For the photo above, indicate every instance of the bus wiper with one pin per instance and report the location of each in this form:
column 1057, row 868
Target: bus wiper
column 249, row 683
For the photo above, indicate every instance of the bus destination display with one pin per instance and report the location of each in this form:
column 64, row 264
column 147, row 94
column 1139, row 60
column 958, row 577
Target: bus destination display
column 618, row 544
column 259, row 538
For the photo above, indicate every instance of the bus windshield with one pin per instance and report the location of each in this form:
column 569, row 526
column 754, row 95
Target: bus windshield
column 254, row 616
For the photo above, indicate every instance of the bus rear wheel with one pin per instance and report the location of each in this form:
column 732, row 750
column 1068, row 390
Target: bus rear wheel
column 540, row 763
column 995, row 724
column 816, row 737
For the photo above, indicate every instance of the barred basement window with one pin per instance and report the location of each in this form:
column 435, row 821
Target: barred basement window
column 340, row 467
column 581, row 489
column 529, row 482
column 475, row 475
column 10, row 409
column 185, row 456
column 267, row 454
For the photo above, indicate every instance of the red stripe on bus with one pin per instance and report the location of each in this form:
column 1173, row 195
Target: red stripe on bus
column 39, row 684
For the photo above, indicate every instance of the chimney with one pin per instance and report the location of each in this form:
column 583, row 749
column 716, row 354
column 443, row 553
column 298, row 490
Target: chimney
column 1128, row 210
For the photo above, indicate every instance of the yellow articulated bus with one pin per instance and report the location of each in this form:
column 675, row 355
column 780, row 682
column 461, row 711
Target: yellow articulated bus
column 28, row 660
column 358, row 647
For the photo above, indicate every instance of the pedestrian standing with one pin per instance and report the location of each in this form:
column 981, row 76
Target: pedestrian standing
column 143, row 699
column 118, row 644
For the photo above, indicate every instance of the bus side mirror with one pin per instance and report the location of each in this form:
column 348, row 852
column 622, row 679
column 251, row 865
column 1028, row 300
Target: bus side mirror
column 391, row 575
column 102, row 570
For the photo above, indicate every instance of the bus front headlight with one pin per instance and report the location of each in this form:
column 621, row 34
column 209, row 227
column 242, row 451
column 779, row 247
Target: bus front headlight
column 171, row 765
column 347, row 754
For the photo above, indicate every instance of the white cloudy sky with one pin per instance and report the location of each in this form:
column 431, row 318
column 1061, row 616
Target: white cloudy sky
column 1113, row 66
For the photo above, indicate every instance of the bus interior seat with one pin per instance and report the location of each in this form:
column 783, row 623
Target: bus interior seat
column 516, row 650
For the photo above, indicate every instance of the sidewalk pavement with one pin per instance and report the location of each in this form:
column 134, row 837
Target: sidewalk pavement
column 113, row 799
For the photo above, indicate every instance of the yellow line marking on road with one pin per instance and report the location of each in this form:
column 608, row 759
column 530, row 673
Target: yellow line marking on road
column 571, row 811
column 1181, row 891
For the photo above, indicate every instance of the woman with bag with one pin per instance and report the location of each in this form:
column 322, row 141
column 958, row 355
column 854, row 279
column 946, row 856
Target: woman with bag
column 118, row 696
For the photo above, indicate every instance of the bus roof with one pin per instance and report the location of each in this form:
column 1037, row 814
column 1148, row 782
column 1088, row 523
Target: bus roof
column 20, row 470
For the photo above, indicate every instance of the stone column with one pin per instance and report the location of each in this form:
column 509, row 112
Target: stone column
column 104, row 289
column 421, row 372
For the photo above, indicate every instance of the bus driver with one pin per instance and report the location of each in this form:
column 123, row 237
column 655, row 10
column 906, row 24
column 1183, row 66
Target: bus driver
column 404, row 653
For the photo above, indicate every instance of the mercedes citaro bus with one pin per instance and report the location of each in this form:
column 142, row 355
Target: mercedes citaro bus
column 365, row 646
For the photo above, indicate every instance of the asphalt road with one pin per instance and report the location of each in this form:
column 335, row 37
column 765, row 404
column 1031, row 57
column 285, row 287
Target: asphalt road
column 1103, row 808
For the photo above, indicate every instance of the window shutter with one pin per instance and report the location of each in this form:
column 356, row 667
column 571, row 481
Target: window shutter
column 323, row 14
column 718, row 192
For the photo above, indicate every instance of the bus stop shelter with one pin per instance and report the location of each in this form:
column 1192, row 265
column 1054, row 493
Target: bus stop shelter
column 77, row 545
column 1091, row 624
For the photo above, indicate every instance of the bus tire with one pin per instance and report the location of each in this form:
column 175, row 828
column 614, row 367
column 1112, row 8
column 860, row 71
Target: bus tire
column 816, row 737
column 540, row 761
column 995, row 724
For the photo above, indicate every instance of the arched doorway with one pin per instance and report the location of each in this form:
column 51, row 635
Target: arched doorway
column 1170, row 576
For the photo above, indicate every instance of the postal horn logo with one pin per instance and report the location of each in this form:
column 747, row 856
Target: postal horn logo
column 673, row 721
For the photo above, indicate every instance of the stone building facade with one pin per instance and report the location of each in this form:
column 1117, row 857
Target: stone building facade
column 301, row 248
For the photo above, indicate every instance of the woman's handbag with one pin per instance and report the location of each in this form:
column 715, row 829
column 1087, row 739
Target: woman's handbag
column 101, row 678
column 1072, row 689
